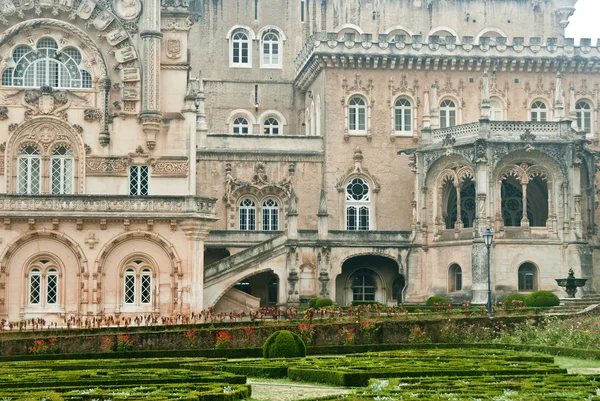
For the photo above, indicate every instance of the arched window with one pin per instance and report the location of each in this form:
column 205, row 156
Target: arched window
column 240, row 49
column 241, row 126
column 62, row 171
column 146, row 286
column 247, row 215
column 318, row 116
column 527, row 277
column 496, row 111
column 271, row 48
column 29, row 175
column 403, row 116
column 447, row 113
column 270, row 215
column 47, row 65
column 271, row 126
column 313, row 120
column 584, row 116
column 357, row 115
column 363, row 287
column 455, row 278
column 129, row 290
column 35, row 287
column 358, row 205
column 51, row 286
column 539, row 111
column 307, row 122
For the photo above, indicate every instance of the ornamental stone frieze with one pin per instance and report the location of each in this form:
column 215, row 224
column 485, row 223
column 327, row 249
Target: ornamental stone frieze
column 106, row 166
column 169, row 166
column 259, row 183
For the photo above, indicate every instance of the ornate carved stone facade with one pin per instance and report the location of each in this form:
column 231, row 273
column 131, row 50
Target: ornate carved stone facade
column 324, row 153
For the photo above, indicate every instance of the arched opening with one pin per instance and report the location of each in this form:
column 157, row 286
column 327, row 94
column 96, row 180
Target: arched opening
column 398, row 288
column 512, row 203
column 368, row 279
column 467, row 204
column 528, row 277
column 213, row 255
column 272, row 291
column 537, row 202
column 455, row 282
column 260, row 290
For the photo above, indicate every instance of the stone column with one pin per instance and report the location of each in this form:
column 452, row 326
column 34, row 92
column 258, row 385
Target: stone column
column 479, row 272
column 104, row 136
column 458, row 224
column 292, row 215
column 323, row 262
column 323, row 217
column 196, row 232
column 151, row 42
column 524, row 219
column 189, row 113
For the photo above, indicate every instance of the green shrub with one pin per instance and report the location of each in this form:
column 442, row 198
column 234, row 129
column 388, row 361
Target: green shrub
column 356, row 303
column 508, row 300
column 284, row 344
column 323, row 303
column 542, row 298
column 436, row 299
column 312, row 303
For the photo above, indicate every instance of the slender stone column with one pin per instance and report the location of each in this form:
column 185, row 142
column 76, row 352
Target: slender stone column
column 524, row 219
column 196, row 232
column 151, row 42
column 479, row 272
column 458, row 224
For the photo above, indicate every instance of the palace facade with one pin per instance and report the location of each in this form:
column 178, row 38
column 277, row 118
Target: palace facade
column 167, row 156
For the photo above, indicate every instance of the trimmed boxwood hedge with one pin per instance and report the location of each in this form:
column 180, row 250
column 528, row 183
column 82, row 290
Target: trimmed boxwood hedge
column 508, row 300
column 542, row 299
column 284, row 344
column 436, row 299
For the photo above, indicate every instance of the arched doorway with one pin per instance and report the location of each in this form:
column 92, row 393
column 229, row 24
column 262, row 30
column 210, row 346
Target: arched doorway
column 528, row 277
column 398, row 288
column 455, row 282
column 259, row 290
column 368, row 279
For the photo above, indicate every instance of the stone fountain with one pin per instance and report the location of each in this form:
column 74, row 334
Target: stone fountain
column 570, row 284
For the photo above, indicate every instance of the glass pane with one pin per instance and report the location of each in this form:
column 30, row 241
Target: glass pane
column 133, row 180
column 407, row 120
column 361, row 119
column 34, row 288
column 35, row 176
column 252, row 219
column 68, row 176
column 363, row 218
column 266, row 214
column 52, row 289
column 23, row 175
column 144, row 180
column 243, row 219
column 56, row 176
column 130, row 289
column 351, row 218
column 146, row 288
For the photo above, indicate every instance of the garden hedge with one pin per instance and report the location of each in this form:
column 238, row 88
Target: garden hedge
column 284, row 344
column 436, row 299
column 542, row 299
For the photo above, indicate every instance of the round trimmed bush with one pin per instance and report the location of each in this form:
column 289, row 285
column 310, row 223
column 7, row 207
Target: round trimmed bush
column 541, row 299
column 508, row 300
column 436, row 299
column 323, row 302
column 284, row 344
column 312, row 303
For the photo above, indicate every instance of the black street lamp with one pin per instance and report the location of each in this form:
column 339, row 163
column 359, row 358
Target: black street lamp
column 488, row 236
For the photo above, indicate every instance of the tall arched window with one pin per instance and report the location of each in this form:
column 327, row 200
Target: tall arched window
column 527, row 277
column 363, row 287
column 539, row 111
column 270, row 215
column 584, row 116
column 35, row 286
column 51, row 286
column 318, row 116
column 271, row 126
column 403, row 116
column 241, row 126
column 240, row 49
column 137, row 284
column 43, row 284
column 313, row 120
column 29, row 175
column 62, row 171
column 358, row 205
column 455, row 278
column 271, row 49
column 447, row 113
column 47, row 65
column 146, row 286
column 129, row 290
column 496, row 111
column 247, row 215
column 357, row 115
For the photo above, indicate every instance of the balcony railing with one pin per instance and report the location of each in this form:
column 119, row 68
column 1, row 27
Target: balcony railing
column 107, row 206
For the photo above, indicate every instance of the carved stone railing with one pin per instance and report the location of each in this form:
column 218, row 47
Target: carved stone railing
column 107, row 206
column 521, row 127
column 457, row 131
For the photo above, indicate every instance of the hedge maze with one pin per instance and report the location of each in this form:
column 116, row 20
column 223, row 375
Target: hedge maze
column 427, row 374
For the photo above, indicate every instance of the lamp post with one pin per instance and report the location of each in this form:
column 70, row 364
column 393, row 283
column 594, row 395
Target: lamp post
column 488, row 236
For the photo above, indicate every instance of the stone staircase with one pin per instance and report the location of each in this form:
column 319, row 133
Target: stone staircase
column 580, row 303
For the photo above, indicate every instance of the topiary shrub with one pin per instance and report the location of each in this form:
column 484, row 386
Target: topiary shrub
column 436, row 299
column 508, row 300
column 312, row 303
column 541, row 299
column 284, row 344
column 323, row 302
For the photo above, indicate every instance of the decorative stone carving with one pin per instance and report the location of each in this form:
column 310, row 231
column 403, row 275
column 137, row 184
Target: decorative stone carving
column 91, row 115
column 1, row 165
column 170, row 167
column 2, row 146
column 3, row 113
column 173, row 48
column 260, row 183
column 127, row 9
column 107, row 166
column 358, row 170
column 46, row 101
column 88, row 149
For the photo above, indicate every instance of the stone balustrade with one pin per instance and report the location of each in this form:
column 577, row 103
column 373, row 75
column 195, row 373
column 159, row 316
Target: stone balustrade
column 107, row 206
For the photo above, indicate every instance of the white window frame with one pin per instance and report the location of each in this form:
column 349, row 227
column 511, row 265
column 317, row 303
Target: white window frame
column 47, row 275
column 139, row 180
column 401, row 111
column 318, row 116
column 247, row 214
column 138, row 275
column 270, row 125
column 538, row 113
column 446, row 111
column 270, row 215
column 240, row 42
column 26, row 185
column 35, row 273
column 584, row 114
column 357, row 206
column 239, row 125
column 146, row 281
column 270, row 48
column 496, row 113
column 354, row 114
column 455, row 277
column 65, row 178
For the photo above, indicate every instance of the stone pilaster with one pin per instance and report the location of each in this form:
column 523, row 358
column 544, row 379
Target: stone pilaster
column 323, row 217
column 196, row 232
column 151, row 42
column 292, row 215
column 479, row 273
column 104, row 137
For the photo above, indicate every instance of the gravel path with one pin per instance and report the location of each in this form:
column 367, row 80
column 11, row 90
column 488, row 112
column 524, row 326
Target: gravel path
column 284, row 391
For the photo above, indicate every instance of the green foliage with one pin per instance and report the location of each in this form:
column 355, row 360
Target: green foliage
column 542, row 299
column 284, row 344
column 312, row 303
column 508, row 300
column 357, row 303
column 323, row 303
column 436, row 299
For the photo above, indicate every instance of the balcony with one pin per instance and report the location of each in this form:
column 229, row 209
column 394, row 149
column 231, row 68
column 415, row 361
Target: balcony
column 107, row 206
